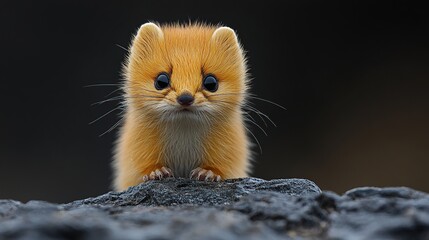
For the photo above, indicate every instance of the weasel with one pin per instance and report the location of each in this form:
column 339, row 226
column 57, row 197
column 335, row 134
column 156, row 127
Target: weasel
column 183, row 90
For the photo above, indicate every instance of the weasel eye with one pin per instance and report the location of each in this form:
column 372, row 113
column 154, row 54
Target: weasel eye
column 162, row 81
column 210, row 83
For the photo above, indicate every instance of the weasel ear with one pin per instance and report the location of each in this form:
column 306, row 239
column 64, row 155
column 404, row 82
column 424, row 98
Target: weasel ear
column 149, row 31
column 225, row 37
column 146, row 38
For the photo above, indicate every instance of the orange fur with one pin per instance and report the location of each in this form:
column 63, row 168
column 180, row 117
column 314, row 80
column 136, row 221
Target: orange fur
column 155, row 134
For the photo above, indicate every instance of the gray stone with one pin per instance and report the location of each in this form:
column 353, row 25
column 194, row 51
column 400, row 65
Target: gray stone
column 172, row 192
column 248, row 208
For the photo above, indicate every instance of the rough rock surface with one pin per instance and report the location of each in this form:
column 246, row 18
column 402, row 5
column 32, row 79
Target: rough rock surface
column 247, row 208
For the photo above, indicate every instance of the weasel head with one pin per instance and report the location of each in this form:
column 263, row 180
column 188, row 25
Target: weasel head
column 194, row 71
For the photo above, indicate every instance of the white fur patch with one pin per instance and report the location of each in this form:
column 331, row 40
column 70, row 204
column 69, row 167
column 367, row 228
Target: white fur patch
column 183, row 137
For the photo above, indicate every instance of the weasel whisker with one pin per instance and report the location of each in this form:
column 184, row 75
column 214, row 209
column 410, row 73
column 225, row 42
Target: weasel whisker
column 114, row 91
column 254, row 137
column 102, row 116
column 107, row 100
column 257, row 125
column 268, row 101
column 103, row 85
column 114, row 126
column 121, row 47
column 259, row 113
column 140, row 96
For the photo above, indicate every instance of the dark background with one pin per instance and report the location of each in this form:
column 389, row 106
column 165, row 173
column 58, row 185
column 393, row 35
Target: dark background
column 353, row 76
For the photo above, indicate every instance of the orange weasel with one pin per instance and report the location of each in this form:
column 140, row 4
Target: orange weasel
column 184, row 88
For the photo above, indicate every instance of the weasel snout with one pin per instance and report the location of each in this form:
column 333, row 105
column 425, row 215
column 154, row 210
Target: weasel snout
column 185, row 99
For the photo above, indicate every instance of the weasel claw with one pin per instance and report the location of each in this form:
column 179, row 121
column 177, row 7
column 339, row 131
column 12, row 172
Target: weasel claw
column 158, row 174
column 204, row 175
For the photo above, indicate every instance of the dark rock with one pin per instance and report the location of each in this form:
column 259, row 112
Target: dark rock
column 246, row 208
column 172, row 192
column 382, row 213
column 398, row 192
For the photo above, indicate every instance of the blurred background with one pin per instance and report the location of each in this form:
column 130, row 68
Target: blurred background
column 353, row 76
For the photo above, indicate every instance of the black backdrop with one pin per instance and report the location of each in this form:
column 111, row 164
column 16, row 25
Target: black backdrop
column 353, row 76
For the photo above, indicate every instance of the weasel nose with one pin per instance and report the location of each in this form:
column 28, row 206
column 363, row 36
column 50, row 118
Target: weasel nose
column 185, row 99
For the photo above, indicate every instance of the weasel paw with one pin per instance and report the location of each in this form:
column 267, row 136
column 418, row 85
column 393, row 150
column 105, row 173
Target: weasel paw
column 158, row 174
column 205, row 175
